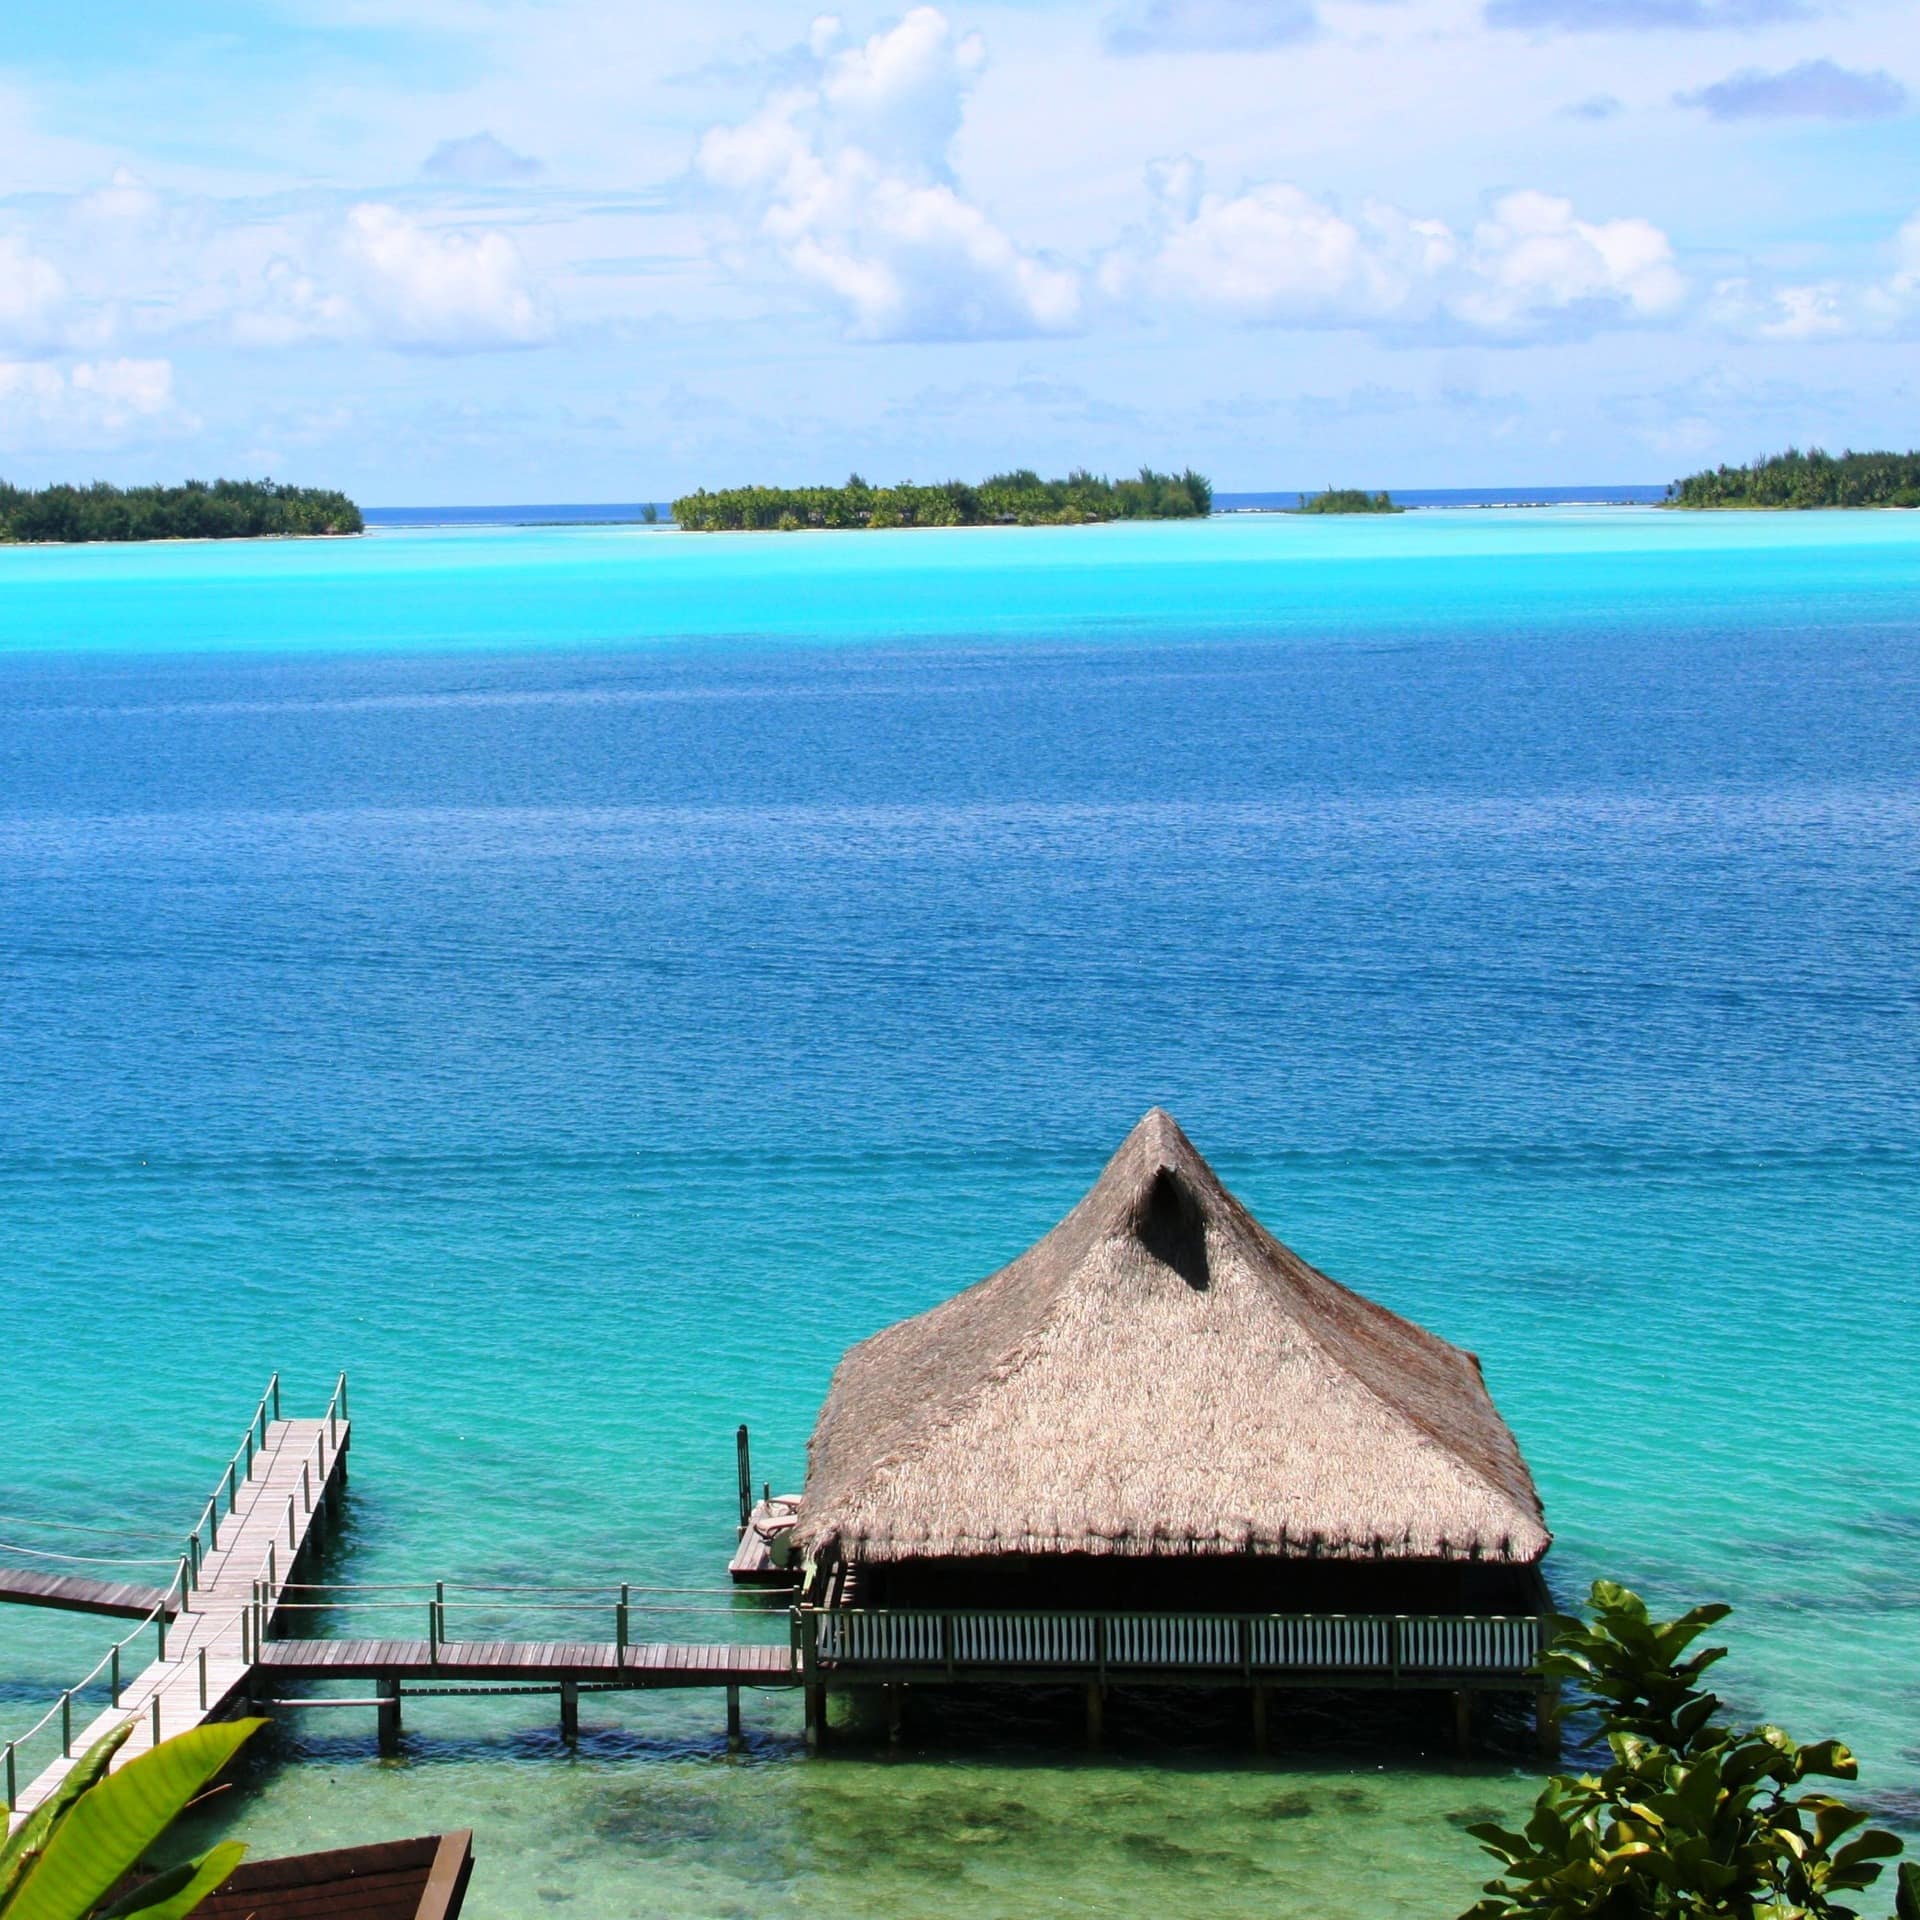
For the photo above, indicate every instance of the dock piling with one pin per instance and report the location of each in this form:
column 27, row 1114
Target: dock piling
column 733, row 1720
column 1096, row 1715
column 744, row 1461
column 389, row 1717
column 570, row 1712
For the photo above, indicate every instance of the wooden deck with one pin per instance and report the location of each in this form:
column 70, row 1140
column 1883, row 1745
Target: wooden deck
column 263, row 1521
column 753, row 1563
column 74, row 1593
column 536, row 1660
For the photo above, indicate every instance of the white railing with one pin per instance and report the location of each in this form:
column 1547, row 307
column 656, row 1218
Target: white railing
column 1414, row 1646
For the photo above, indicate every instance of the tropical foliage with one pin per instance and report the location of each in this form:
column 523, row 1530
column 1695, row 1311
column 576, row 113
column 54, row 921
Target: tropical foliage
column 1008, row 499
column 1347, row 500
column 1811, row 479
column 199, row 510
column 1693, row 1819
column 73, row 1851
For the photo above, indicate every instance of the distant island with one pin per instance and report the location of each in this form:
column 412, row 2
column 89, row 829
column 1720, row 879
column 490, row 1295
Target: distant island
column 199, row 510
column 1800, row 480
column 1347, row 500
column 1019, row 499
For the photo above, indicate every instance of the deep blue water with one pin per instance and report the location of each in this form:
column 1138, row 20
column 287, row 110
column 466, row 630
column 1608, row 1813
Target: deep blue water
column 580, row 981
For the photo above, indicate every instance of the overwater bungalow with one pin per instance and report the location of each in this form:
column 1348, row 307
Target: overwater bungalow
column 1161, row 1447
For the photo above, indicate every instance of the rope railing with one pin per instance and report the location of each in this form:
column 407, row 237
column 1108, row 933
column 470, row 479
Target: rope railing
column 176, row 1598
column 108, row 1664
column 440, row 1606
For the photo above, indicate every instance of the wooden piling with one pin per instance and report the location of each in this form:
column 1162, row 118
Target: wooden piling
column 1546, row 1721
column 389, row 1716
column 1259, row 1718
column 570, row 1711
column 1463, row 1722
column 733, row 1720
column 1096, row 1714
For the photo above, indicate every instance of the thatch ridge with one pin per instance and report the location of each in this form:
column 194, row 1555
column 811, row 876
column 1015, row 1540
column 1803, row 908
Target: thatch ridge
column 1156, row 1375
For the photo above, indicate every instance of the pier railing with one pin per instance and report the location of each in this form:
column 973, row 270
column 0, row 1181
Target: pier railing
column 1398, row 1647
column 448, row 1613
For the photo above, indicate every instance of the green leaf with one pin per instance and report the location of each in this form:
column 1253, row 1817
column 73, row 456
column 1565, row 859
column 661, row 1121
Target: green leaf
column 1906, row 1901
column 175, row 1893
column 20, row 1852
column 109, row 1827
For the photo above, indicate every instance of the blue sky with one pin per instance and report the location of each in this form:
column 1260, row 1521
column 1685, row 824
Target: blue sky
column 470, row 250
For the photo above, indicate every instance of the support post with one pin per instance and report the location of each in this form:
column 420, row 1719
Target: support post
column 13, row 1792
column 203, row 1679
column 114, row 1684
column 1259, row 1717
column 1096, row 1715
column 570, row 1711
column 1546, row 1721
column 745, row 1462
column 816, row 1711
column 156, row 1719
column 896, row 1711
column 389, row 1713
column 1463, row 1722
column 733, row 1720
column 621, row 1619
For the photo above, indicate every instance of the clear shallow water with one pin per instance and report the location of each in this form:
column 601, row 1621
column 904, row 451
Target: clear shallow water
column 581, row 979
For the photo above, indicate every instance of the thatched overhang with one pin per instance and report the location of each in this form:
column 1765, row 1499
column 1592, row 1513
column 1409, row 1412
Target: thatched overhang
column 1160, row 1376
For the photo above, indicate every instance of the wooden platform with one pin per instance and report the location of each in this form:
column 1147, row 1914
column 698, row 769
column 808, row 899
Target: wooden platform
column 118, row 1599
column 636, row 1666
column 264, row 1526
column 752, row 1564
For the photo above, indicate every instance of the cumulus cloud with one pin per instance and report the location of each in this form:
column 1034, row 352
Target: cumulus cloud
column 89, row 404
column 844, row 187
column 1277, row 255
column 1813, row 90
column 479, row 160
column 1627, row 16
column 444, row 291
column 384, row 276
column 1210, row 26
column 1536, row 266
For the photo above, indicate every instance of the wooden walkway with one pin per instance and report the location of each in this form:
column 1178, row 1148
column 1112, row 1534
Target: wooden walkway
column 263, row 1521
column 75, row 1593
column 537, row 1660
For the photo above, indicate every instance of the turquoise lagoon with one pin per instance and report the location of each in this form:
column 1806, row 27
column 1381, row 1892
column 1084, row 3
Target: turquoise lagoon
column 580, row 979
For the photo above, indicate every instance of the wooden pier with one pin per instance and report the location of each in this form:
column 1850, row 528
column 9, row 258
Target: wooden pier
column 228, row 1632
column 76, row 1593
column 269, row 1511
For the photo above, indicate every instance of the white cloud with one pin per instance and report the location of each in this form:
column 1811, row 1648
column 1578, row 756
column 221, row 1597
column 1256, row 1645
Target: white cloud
column 440, row 290
column 1536, row 266
column 382, row 276
column 33, row 293
column 844, row 185
column 1886, row 308
column 88, row 405
column 1277, row 255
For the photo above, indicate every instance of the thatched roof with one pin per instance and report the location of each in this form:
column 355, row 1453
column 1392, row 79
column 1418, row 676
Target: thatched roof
column 1159, row 1375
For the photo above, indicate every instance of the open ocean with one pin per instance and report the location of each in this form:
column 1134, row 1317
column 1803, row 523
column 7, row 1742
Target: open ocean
column 578, row 979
